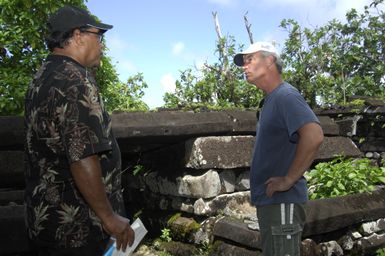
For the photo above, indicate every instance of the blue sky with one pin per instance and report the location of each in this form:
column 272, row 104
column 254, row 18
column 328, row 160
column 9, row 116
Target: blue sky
column 160, row 38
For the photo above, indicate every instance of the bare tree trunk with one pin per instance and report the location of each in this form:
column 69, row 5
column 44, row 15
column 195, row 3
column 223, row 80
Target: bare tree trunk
column 221, row 44
column 217, row 26
column 248, row 28
column 224, row 69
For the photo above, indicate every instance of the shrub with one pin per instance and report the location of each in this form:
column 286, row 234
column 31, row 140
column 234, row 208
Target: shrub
column 343, row 177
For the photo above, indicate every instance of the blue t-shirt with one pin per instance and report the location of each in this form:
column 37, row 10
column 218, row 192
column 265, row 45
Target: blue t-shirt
column 283, row 113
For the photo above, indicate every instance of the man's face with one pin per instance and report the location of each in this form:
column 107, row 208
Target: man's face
column 255, row 67
column 93, row 46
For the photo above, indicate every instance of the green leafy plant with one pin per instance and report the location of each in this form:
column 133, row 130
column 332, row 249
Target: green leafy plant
column 22, row 50
column 329, row 63
column 166, row 235
column 138, row 214
column 138, row 169
column 343, row 177
column 380, row 252
column 361, row 140
column 219, row 85
column 205, row 249
column 356, row 105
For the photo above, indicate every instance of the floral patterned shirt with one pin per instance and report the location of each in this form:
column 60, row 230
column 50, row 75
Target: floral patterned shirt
column 65, row 121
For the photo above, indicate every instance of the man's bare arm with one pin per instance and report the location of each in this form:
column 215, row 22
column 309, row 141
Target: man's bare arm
column 310, row 138
column 88, row 178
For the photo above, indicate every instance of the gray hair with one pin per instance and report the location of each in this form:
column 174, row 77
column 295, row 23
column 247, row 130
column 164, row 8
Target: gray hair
column 278, row 61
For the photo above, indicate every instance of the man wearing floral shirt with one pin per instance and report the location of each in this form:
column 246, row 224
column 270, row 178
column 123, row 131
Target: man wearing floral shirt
column 73, row 168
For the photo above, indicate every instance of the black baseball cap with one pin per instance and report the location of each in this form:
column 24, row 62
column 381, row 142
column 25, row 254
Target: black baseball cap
column 70, row 17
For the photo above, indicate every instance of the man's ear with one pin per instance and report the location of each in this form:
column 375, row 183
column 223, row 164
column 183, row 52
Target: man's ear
column 271, row 59
column 77, row 37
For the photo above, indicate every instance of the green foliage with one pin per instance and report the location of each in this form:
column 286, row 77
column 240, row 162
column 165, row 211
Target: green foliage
column 125, row 96
column 182, row 232
column 166, row 235
column 205, row 249
column 343, row 177
column 173, row 218
column 380, row 252
column 327, row 64
column 356, row 103
column 22, row 49
column 138, row 214
column 138, row 169
column 337, row 60
column 217, row 86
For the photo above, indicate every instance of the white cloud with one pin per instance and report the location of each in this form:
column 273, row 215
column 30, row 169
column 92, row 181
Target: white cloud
column 178, row 48
column 168, row 82
column 223, row 2
column 317, row 12
column 286, row 2
column 127, row 65
column 343, row 6
column 124, row 68
column 334, row 9
column 117, row 44
column 200, row 64
column 180, row 51
column 118, row 50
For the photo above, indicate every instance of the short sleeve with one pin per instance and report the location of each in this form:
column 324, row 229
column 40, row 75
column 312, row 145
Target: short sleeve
column 296, row 113
column 85, row 128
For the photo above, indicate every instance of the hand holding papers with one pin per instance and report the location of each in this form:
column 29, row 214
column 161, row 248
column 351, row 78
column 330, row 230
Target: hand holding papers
column 140, row 231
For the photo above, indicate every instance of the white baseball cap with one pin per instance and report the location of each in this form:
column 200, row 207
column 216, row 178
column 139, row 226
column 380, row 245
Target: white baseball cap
column 255, row 47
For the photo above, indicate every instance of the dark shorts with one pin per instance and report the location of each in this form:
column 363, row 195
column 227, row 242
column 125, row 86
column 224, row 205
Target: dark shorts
column 281, row 228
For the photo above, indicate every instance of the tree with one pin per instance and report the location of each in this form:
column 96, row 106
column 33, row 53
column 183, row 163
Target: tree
column 22, row 49
column 337, row 60
column 216, row 86
column 327, row 64
column 126, row 96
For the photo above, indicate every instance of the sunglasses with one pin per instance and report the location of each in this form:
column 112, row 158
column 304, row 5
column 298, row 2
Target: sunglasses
column 99, row 34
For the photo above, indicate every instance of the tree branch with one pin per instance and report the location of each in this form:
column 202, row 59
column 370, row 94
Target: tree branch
column 248, row 28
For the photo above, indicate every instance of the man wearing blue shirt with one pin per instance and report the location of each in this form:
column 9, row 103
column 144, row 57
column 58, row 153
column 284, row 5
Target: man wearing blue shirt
column 288, row 136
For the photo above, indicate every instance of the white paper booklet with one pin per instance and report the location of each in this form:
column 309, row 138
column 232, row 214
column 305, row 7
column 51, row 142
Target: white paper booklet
column 140, row 231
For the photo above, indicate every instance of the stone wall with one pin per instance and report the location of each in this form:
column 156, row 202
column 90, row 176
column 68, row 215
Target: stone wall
column 196, row 165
